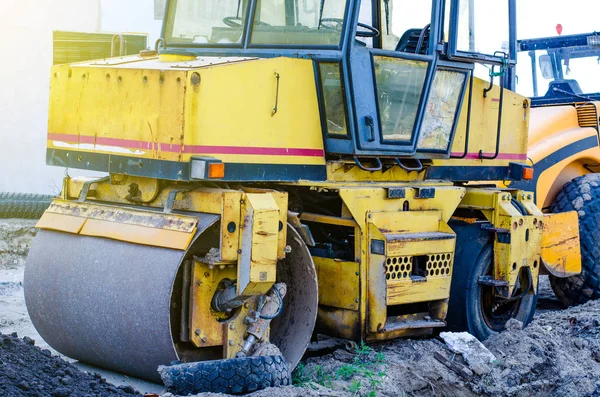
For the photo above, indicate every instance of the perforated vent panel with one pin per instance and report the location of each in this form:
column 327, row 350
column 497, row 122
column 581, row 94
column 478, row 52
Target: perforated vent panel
column 439, row 265
column 401, row 268
column 587, row 115
column 398, row 268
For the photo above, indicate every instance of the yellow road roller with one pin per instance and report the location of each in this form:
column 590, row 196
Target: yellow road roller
column 281, row 168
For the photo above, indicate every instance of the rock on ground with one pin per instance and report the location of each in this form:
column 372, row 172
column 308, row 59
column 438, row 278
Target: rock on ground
column 473, row 351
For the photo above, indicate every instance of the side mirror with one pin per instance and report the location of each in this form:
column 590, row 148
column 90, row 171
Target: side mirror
column 546, row 67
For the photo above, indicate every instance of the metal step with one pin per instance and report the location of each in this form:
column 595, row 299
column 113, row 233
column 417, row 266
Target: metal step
column 424, row 236
column 415, row 324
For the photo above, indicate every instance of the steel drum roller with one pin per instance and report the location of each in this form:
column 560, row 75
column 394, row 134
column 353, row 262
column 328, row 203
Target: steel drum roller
column 104, row 302
column 108, row 303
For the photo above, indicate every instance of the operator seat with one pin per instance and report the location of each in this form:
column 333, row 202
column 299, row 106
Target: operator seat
column 411, row 38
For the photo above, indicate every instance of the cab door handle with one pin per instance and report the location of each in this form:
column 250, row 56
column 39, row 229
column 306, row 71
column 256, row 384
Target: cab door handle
column 371, row 126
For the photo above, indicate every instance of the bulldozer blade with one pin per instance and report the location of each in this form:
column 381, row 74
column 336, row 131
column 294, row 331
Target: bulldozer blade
column 105, row 302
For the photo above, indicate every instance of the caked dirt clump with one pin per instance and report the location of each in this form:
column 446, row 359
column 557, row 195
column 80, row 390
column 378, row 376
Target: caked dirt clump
column 26, row 370
column 557, row 355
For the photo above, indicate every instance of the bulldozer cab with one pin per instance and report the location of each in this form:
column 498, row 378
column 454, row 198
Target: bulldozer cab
column 391, row 75
column 560, row 70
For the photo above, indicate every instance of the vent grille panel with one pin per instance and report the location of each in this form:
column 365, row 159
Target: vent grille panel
column 439, row 265
column 401, row 268
column 587, row 115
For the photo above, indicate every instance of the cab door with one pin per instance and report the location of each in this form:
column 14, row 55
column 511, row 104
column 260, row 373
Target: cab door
column 391, row 84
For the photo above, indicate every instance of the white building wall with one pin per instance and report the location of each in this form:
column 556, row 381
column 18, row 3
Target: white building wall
column 25, row 60
column 131, row 16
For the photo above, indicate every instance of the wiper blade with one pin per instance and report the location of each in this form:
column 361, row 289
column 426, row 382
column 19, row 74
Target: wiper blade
column 585, row 98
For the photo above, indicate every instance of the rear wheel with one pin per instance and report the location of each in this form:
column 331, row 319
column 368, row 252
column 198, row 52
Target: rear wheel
column 582, row 194
column 473, row 306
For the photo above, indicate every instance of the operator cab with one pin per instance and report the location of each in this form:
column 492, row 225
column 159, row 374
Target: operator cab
column 391, row 75
column 560, row 70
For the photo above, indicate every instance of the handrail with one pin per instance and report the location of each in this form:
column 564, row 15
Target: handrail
column 122, row 45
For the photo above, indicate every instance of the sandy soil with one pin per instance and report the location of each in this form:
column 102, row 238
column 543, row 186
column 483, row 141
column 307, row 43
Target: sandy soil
column 557, row 355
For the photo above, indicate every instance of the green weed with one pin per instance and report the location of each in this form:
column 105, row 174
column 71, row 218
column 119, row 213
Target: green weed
column 365, row 371
column 355, row 386
column 299, row 376
column 347, row 371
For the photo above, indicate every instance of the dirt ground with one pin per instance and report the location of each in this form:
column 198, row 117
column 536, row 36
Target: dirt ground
column 557, row 355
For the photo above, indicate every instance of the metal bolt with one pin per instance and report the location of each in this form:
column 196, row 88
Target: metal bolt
column 529, row 197
column 195, row 80
column 356, row 300
column 239, row 251
column 357, row 273
column 231, row 343
column 198, row 332
column 232, row 327
column 204, row 339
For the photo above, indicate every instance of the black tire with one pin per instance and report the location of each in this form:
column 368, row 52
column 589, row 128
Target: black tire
column 23, row 206
column 234, row 376
column 466, row 310
column 582, row 194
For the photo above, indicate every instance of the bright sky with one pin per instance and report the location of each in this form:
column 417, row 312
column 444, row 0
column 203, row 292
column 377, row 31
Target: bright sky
column 538, row 18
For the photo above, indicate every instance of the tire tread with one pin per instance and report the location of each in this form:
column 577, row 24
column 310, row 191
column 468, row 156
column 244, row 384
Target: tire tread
column 582, row 195
column 233, row 376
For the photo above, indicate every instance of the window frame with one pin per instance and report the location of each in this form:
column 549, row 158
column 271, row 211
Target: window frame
column 455, row 54
column 250, row 12
column 169, row 21
column 425, row 91
column 447, row 66
column 321, row 99
column 250, row 25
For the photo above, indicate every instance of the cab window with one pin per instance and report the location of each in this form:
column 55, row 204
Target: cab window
column 399, row 85
column 205, row 22
column 298, row 22
column 402, row 21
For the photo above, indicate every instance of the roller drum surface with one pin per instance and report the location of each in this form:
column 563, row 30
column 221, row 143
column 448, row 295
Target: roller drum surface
column 102, row 301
